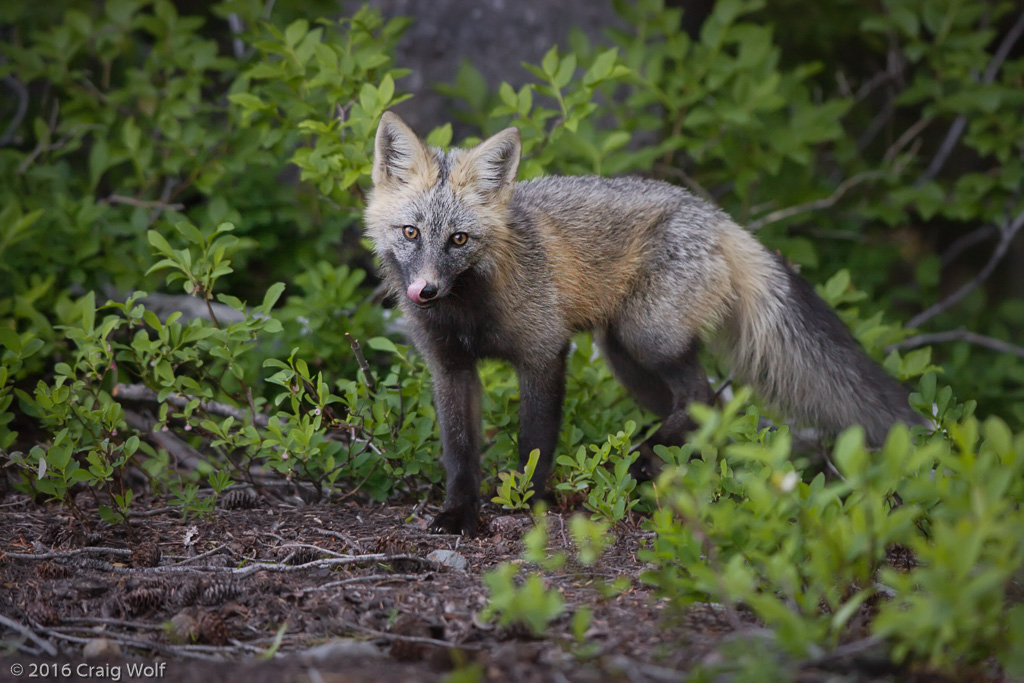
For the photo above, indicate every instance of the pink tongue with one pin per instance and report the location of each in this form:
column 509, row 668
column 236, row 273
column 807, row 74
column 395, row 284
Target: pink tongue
column 414, row 290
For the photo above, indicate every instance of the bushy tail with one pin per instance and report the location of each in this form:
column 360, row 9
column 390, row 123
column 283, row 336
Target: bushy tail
column 786, row 342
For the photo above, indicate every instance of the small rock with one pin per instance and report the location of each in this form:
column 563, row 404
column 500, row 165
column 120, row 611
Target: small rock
column 101, row 647
column 449, row 558
column 340, row 648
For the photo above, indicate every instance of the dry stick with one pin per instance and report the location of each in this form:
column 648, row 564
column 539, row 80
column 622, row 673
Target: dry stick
column 960, row 123
column 841, row 652
column 208, row 553
column 175, row 651
column 28, row 633
column 408, row 639
column 363, row 365
column 352, row 543
column 1008, row 232
column 958, row 335
column 965, row 242
column 822, row 203
column 383, row 578
column 19, row 115
column 276, row 567
column 91, row 550
column 140, row 392
column 295, row 544
column 104, row 621
column 143, row 203
column 182, row 452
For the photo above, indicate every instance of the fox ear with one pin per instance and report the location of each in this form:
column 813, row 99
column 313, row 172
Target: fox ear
column 490, row 167
column 398, row 154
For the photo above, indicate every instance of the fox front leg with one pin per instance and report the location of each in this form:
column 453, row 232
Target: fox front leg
column 457, row 400
column 541, row 391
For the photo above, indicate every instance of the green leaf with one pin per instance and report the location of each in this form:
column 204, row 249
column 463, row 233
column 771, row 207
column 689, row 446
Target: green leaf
column 386, row 90
column 88, row 304
column 190, row 232
column 159, row 243
column 271, row 297
column 550, row 62
column 295, row 32
column 381, row 344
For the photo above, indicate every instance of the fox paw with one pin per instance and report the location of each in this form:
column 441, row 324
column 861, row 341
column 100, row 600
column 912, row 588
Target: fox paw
column 455, row 521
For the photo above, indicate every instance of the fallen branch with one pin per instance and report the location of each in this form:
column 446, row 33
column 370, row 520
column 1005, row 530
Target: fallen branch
column 140, row 392
column 171, row 651
column 272, row 567
column 383, row 578
column 185, row 455
column 30, row 634
column 58, row 554
column 352, row 543
column 958, row 335
column 408, row 639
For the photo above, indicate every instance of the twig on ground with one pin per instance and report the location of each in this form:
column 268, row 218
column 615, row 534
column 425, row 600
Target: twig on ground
column 172, row 651
column 273, row 567
column 30, row 634
column 408, row 639
column 58, row 554
column 382, row 578
column 352, row 543
column 153, row 512
column 847, row 650
column 201, row 556
column 958, row 335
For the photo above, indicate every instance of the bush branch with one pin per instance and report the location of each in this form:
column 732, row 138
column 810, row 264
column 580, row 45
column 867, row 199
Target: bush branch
column 960, row 123
column 1007, row 233
column 140, row 392
column 823, row 203
column 361, row 359
column 958, row 335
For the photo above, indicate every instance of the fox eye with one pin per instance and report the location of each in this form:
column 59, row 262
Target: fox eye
column 411, row 232
column 459, row 238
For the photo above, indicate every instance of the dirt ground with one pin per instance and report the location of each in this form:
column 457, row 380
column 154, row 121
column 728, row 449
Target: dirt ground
column 336, row 592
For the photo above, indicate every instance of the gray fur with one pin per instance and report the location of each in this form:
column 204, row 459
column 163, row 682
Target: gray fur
column 647, row 266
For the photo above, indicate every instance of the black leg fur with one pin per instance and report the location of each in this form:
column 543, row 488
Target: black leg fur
column 457, row 399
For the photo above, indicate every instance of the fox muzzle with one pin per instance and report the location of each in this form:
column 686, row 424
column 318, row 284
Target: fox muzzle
column 421, row 291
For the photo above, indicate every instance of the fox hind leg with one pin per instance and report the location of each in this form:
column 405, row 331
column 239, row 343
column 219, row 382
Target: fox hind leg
column 663, row 383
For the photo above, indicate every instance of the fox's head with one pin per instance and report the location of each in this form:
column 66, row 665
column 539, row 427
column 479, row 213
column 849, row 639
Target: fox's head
column 435, row 215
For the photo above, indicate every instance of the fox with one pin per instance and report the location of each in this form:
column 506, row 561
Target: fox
column 484, row 266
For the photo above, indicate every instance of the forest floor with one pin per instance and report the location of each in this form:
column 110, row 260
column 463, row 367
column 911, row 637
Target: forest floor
column 338, row 592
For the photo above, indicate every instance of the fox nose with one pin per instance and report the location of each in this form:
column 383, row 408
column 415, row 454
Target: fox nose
column 422, row 291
